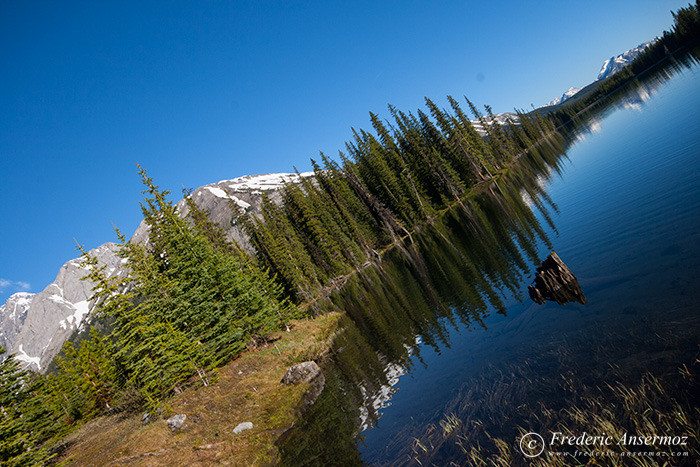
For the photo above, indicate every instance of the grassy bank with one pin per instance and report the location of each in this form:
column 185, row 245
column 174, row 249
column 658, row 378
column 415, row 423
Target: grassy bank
column 248, row 389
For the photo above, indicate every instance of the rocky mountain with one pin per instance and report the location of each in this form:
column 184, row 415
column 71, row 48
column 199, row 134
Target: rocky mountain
column 34, row 327
column 12, row 316
column 609, row 68
column 245, row 192
column 569, row 93
column 615, row 64
column 500, row 119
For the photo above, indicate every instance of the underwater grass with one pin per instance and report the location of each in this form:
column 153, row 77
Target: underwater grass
column 648, row 391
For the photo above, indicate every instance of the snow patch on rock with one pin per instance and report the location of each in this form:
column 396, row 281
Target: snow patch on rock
column 264, row 182
column 498, row 119
column 218, row 192
column 23, row 357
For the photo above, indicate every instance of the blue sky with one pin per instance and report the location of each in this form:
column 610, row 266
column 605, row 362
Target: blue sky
column 202, row 91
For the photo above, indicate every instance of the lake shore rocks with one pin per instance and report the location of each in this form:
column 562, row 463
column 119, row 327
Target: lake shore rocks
column 301, row 372
column 306, row 372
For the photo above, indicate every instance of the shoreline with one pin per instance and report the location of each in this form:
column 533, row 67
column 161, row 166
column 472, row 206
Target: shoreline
column 246, row 389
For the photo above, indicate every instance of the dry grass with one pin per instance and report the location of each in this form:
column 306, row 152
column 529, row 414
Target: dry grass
column 246, row 390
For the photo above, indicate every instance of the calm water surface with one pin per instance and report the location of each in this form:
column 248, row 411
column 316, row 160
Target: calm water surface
column 429, row 338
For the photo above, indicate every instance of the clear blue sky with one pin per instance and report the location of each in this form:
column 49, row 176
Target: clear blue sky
column 202, row 91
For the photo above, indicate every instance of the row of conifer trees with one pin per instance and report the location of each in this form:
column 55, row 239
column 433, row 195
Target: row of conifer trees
column 384, row 186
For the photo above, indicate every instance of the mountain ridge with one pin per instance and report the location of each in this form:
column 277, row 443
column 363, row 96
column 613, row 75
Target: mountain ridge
column 611, row 66
column 34, row 326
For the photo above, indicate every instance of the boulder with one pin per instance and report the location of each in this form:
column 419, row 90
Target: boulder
column 176, row 421
column 242, row 427
column 301, row 372
column 554, row 281
column 306, row 372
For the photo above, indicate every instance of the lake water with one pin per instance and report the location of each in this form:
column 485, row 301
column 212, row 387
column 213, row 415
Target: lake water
column 445, row 335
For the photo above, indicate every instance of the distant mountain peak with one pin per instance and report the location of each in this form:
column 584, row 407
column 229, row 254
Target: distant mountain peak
column 569, row 93
column 609, row 68
column 34, row 327
column 615, row 64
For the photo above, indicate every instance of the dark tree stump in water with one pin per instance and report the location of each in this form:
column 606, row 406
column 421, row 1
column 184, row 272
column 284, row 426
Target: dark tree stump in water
column 554, row 281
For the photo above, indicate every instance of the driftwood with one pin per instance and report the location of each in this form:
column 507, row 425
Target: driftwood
column 554, row 281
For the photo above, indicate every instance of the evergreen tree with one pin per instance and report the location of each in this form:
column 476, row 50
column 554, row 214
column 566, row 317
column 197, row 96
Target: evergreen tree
column 27, row 418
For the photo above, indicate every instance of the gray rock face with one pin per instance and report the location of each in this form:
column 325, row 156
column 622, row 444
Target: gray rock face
column 218, row 199
column 12, row 316
column 34, row 327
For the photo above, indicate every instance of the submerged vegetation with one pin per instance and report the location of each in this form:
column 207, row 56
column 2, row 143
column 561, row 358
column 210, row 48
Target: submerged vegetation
column 480, row 426
column 191, row 302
